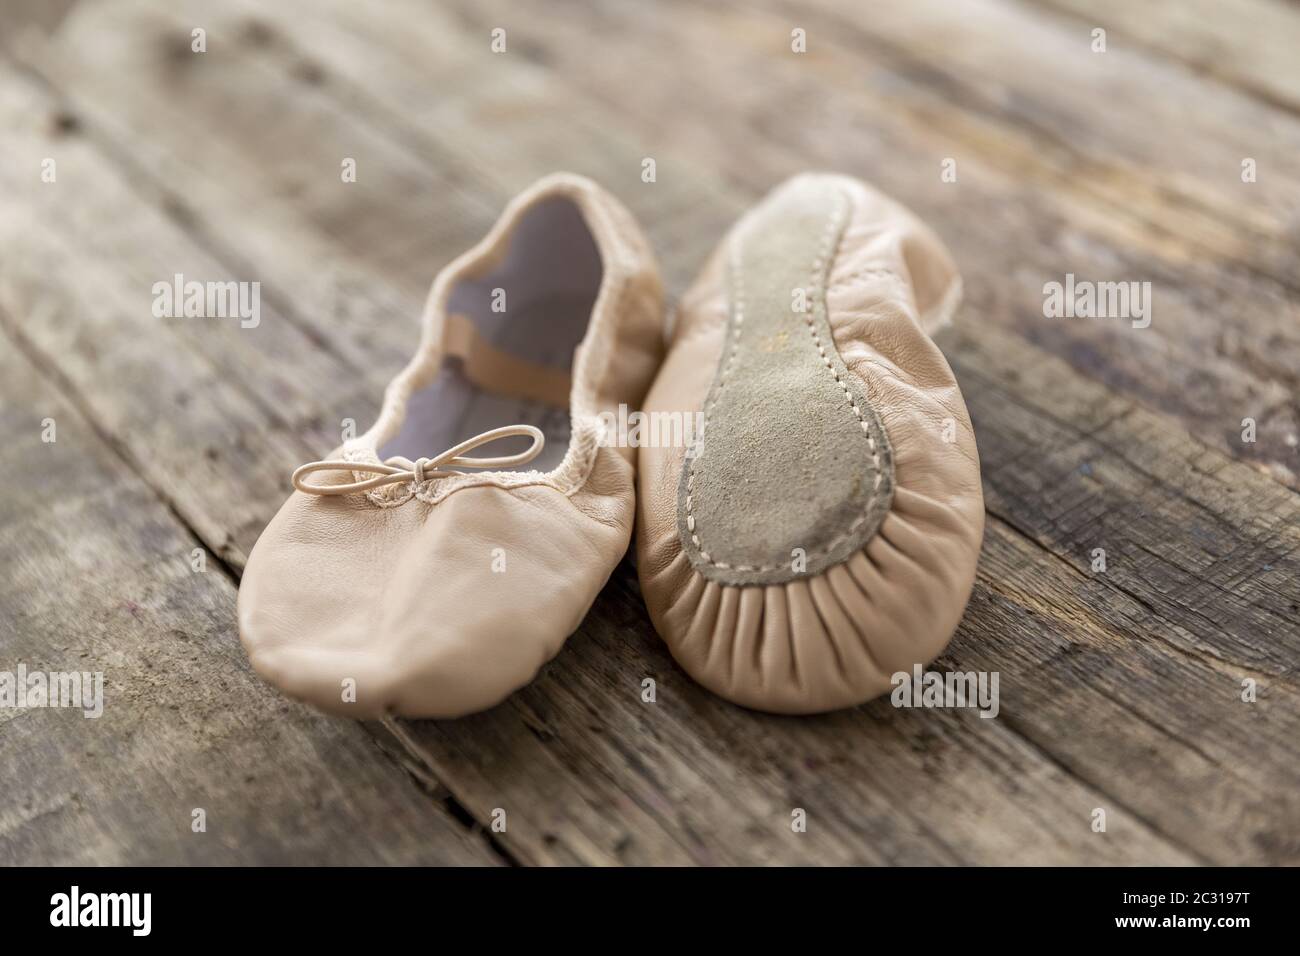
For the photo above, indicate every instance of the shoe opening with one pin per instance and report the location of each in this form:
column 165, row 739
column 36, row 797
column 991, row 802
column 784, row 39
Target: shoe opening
column 512, row 326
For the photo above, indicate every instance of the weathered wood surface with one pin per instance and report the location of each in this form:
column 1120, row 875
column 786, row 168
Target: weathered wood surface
column 1120, row 690
column 96, row 575
column 1250, row 46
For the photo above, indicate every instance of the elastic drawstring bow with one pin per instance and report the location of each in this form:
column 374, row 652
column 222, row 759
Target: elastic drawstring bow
column 395, row 471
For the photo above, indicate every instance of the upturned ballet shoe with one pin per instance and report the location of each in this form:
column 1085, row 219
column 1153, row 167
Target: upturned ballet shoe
column 820, row 532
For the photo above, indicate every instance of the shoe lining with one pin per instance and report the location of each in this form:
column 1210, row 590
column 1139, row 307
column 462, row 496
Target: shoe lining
column 549, row 277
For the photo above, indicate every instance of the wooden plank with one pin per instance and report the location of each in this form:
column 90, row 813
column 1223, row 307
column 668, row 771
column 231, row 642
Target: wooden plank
column 1248, row 44
column 1108, row 168
column 85, row 291
column 426, row 195
column 1140, row 689
column 96, row 576
column 587, row 772
column 1116, row 113
column 1207, row 545
column 879, row 785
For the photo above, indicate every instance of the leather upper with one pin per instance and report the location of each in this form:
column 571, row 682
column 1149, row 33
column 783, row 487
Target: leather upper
column 440, row 598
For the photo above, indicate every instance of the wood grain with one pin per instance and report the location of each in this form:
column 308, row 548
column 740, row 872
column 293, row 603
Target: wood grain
column 1064, row 165
column 1120, row 690
column 1246, row 44
column 96, row 575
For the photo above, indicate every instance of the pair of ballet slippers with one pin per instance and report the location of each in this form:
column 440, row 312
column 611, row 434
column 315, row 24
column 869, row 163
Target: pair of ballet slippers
column 797, row 461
